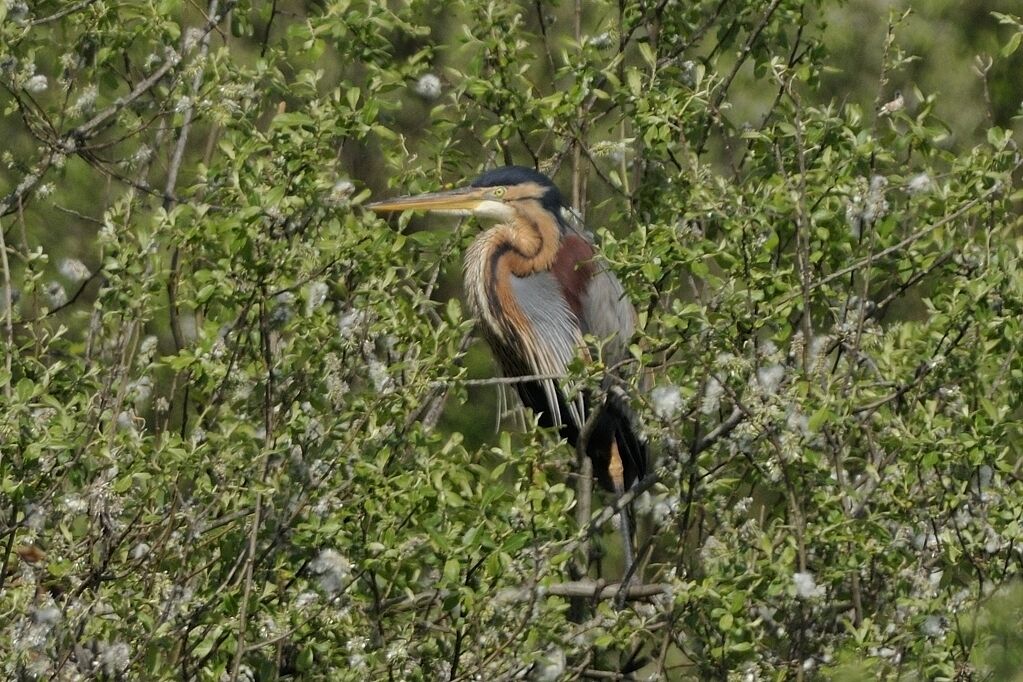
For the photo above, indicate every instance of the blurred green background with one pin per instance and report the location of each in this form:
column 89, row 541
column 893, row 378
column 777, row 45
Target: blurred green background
column 419, row 122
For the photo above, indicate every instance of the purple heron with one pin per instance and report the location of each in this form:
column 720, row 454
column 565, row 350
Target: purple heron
column 536, row 288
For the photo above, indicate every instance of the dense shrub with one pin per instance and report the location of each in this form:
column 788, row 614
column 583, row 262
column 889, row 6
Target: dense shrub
column 245, row 426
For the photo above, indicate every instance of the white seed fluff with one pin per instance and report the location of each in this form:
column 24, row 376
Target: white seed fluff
column 806, row 586
column 86, row 100
column 712, row 396
column 35, row 517
column 770, row 378
column 920, row 183
column 382, row 381
column 37, row 84
column 932, row 626
column 351, row 321
column 551, row 666
column 340, row 193
column 114, row 658
column 74, row 270
column 428, row 86
column 331, row 569
column 667, row 401
column 876, row 206
column 304, row 599
column 55, row 294
column 315, row 296
column 48, row 615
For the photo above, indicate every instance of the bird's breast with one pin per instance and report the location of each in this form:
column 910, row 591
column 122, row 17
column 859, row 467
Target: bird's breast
column 489, row 291
column 495, row 287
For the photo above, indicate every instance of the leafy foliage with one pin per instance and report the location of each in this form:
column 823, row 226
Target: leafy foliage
column 222, row 451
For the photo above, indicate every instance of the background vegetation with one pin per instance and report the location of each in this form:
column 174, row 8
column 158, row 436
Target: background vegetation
column 247, row 432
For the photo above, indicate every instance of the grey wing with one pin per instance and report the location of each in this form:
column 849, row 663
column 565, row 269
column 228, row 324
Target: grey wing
column 607, row 312
column 554, row 338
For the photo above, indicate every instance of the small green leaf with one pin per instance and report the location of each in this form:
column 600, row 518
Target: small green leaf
column 454, row 310
column 818, row 419
column 304, row 661
column 648, row 53
column 1010, row 47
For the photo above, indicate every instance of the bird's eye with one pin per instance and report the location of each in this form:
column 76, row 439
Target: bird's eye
column 497, row 192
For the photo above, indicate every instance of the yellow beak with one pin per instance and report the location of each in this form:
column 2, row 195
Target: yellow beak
column 463, row 199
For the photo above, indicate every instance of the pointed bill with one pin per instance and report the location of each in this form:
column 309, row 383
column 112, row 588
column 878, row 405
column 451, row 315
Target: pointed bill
column 459, row 201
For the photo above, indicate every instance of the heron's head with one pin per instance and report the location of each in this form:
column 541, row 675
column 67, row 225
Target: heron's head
column 499, row 194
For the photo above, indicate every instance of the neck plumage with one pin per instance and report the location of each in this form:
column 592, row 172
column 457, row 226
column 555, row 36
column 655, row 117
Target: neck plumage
column 529, row 243
column 526, row 246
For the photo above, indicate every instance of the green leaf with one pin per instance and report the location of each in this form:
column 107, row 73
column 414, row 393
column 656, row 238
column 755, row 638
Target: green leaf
column 648, row 53
column 819, row 419
column 1010, row 47
column 454, row 310
column 304, row 660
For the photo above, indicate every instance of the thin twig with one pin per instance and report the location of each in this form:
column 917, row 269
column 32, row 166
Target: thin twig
column 8, row 320
column 719, row 432
column 62, row 13
column 894, row 248
column 600, row 590
column 71, row 142
column 744, row 54
column 268, row 426
column 719, row 96
column 269, row 25
column 172, row 181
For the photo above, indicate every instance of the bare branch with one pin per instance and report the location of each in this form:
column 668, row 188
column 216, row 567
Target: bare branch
column 56, row 16
column 895, row 248
column 8, row 302
column 71, row 142
column 600, row 590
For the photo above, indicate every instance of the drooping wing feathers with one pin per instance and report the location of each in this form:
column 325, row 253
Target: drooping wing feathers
column 594, row 293
column 607, row 313
column 553, row 340
column 579, row 296
column 631, row 448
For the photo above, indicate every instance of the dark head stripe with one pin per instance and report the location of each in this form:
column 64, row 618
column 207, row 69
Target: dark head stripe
column 552, row 200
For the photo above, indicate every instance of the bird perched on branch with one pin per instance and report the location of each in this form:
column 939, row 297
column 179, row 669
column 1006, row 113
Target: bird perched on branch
column 536, row 288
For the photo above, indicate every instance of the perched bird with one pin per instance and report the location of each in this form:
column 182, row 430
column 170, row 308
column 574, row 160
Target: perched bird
column 535, row 286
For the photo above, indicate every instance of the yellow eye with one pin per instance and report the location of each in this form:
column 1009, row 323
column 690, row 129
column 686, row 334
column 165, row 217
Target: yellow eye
column 497, row 192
